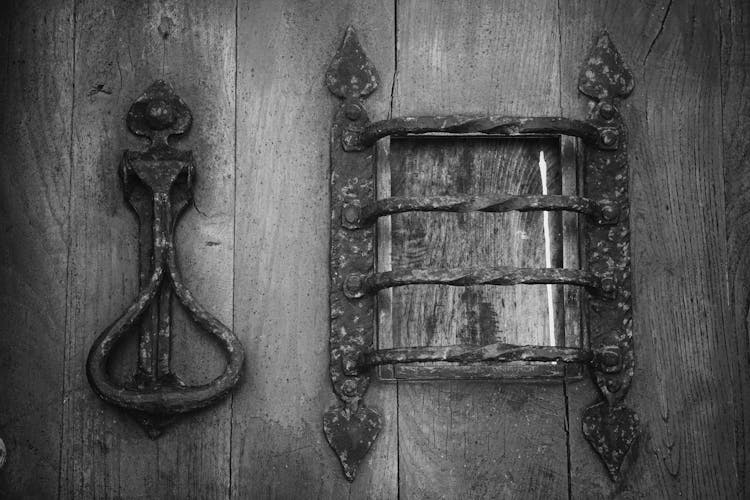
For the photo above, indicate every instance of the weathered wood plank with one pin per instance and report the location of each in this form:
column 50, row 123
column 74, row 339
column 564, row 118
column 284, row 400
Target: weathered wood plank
column 121, row 48
column 479, row 439
column 35, row 108
column 685, row 364
column 444, row 315
column 735, row 57
column 282, row 218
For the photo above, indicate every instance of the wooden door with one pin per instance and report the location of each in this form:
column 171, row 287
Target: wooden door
column 254, row 246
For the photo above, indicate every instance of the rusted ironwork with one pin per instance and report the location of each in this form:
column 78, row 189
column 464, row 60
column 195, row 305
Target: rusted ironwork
column 354, row 217
column 461, row 353
column 358, row 285
column 158, row 184
column 610, row 427
column 350, row 427
column 358, row 138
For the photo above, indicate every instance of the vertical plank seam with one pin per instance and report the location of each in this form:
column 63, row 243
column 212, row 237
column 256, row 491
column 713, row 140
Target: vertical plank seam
column 390, row 115
column 566, row 421
column 395, row 57
column 69, row 255
column 234, row 241
column 731, row 310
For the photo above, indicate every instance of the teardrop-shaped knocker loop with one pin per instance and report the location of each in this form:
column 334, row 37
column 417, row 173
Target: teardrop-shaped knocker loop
column 158, row 184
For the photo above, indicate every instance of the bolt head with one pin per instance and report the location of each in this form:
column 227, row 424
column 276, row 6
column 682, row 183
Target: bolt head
column 609, row 137
column 352, row 111
column 160, row 114
column 353, row 286
column 350, row 214
column 608, row 285
column 614, row 385
column 607, row 111
column 349, row 387
column 610, row 212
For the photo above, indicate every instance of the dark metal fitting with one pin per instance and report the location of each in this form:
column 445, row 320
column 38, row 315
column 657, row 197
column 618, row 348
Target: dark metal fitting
column 607, row 111
column 609, row 359
column 608, row 286
column 353, row 286
column 351, row 139
column 350, row 216
column 614, row 385
column 160, row 114
column 353, row 111
column 610, row 213
column 609, row 138
column 349, row 386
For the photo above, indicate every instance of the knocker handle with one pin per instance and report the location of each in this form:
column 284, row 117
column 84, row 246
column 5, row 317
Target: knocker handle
column 158, row 184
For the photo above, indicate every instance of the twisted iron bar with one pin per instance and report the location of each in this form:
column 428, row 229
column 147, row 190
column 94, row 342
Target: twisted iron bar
column 358, row 139
column 359, row 285
column 462, row 353
column 603, row 211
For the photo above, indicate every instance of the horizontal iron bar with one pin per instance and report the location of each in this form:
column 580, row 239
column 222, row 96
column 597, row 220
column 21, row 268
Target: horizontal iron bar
column 358, row 285
column 602, row 211
column 495, row 125
column 462, row 353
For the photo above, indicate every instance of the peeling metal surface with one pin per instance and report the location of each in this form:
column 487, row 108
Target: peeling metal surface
column 610, row 427
column 158, row 184
column 611, row 431
column 604, row 77
column 350, row 427
column 355, row 217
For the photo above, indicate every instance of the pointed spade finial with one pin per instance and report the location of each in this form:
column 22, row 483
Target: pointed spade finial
column 159, row 113
column 604, row 75
column 351, row 74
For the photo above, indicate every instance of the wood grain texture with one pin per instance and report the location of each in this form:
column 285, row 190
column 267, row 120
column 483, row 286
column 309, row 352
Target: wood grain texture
column 686, row 364
column 443, row 315
column 479, row 57
column 735, row 71
column 35, row 109
column 281, row 280
column 121, row 48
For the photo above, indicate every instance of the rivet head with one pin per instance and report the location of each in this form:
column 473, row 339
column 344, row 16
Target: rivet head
column 609, row 137
column 160, row 114
column 352, row 111
column 607, row 111
column 349, row 387
column 614, row 384
column 610, row 212
column 350, row 214
column 608, row 285
column 353, row 286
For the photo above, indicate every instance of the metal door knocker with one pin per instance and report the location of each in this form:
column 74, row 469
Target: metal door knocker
column 351, row 427
column 158, row 184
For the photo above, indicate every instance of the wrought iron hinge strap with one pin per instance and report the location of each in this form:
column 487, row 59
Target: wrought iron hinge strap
column 610, row 426
column 355, row 217
column 357, row 138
